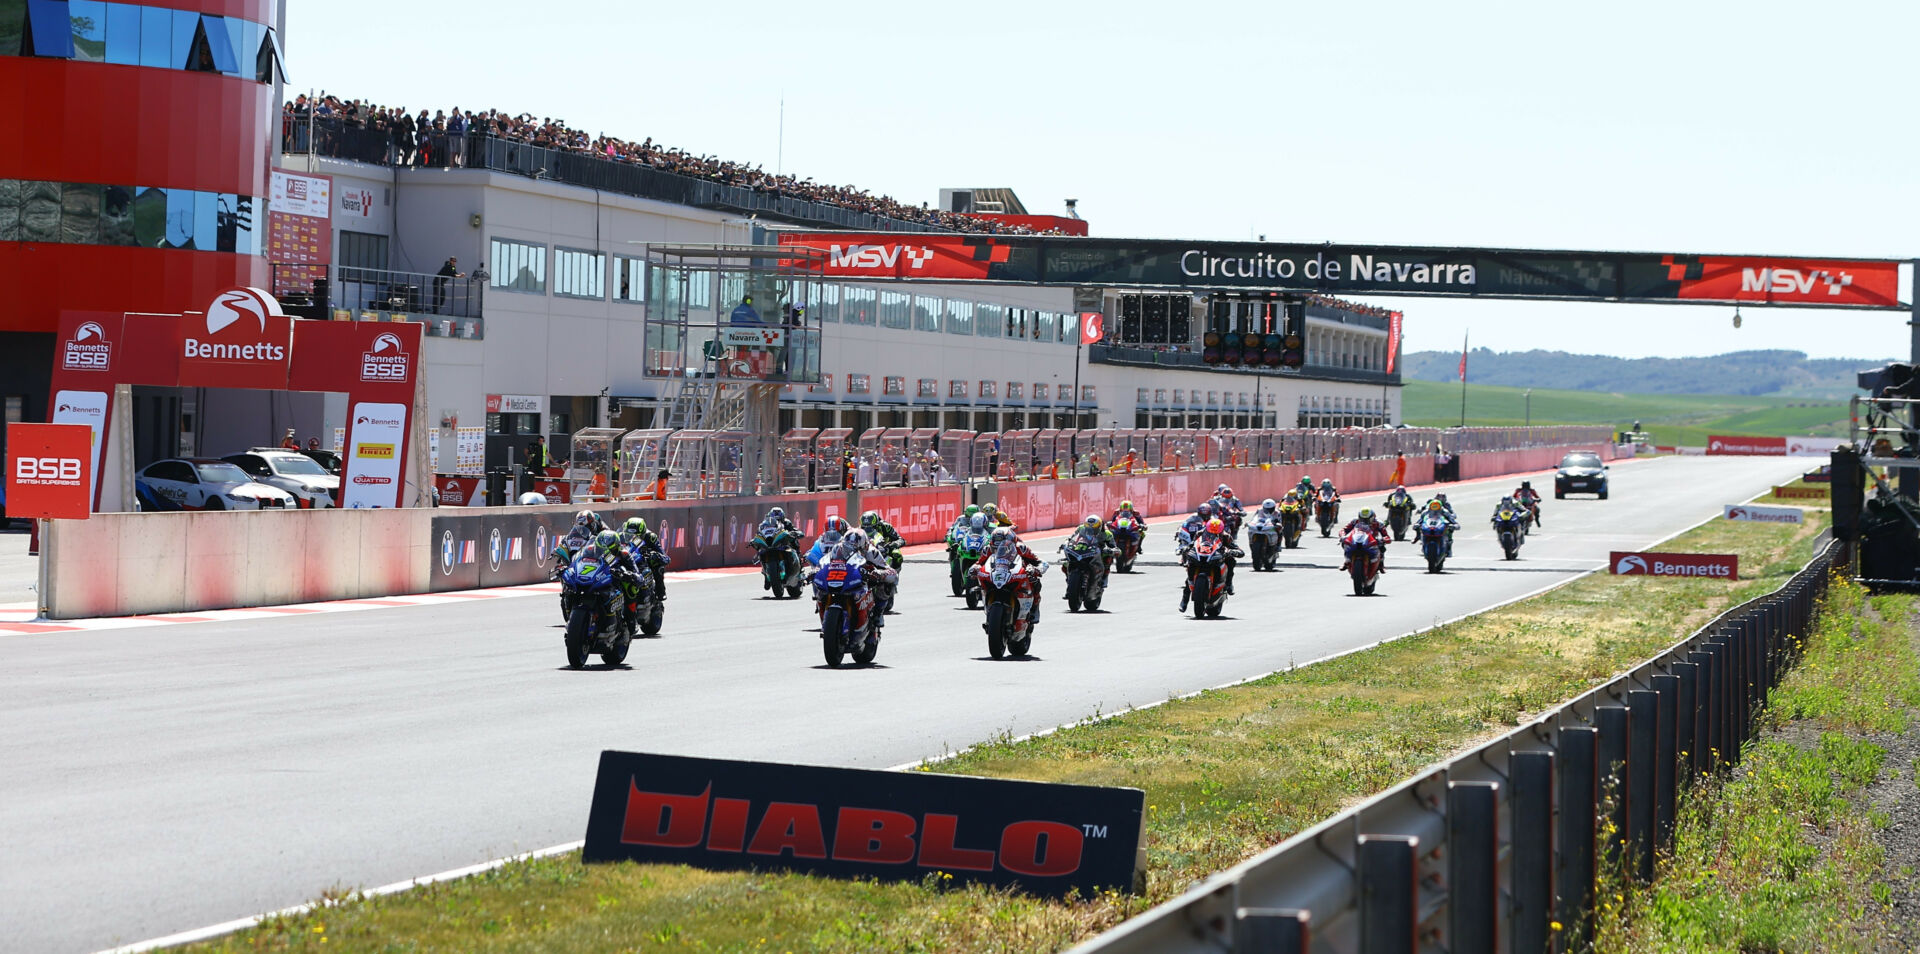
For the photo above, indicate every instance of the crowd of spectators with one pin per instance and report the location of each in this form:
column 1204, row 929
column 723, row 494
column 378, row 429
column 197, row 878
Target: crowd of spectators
column 1352, row 307
column 442, row 138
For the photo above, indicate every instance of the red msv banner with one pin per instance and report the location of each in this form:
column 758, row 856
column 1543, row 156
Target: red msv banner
column 1043, row 838
column 1762, row 446
column 1718, row 566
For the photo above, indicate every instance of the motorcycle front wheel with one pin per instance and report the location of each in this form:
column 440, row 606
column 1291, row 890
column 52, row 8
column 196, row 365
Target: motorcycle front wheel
column 650, row 622
column 1076, row 587
column 577, row 628
column 996, row 629
column 959, row 574
column 832, row 623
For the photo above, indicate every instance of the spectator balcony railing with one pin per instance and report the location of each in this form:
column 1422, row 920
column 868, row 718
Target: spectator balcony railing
column 449, row 307
column 1190, row 361
column 336, row 139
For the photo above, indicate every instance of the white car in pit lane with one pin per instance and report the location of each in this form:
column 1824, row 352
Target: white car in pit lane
column 205, row 483
column 296, row 473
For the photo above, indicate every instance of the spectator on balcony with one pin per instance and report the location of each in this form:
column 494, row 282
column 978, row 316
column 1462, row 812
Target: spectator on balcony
column 448, row 272
column 744, row 313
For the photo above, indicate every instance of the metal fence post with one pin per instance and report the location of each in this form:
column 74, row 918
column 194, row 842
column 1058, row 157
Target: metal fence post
column 1270, row 931
column 1722, row 704
column 1579, row 801
column 1388, row 897
column 1473, row 865
column 1687, row 720
column 1666, row 747
column 1613, row 722
column 1531, row 872
column 1641, row 746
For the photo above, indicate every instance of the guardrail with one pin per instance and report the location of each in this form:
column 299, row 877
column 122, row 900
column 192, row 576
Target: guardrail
column 1486, row 851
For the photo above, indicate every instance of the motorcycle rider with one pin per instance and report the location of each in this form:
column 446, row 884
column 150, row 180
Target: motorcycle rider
column 775, row 521
column 961, row 524
column 1229, row 508
column 646, row 550
column 1197, row 524
column 1094, row 530
column 830, row 536
column 586, row 526
column 1365, row 519
column 1400, row 499
column 1528, row 498
column 625, row 571
column 1214, row 529
column 995, row 515
column 856, row 544
column 1440, row 506
column 1126, row 510
column 1305, row 487
column 1270, row 509
column 1004, row 544
column 882, row 536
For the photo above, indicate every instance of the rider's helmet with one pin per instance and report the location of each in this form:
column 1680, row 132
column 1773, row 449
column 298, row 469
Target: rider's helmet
column 990, row 508
column 1126, row 505
column 606, row 541
column 776, row 514
column 1092, row 522
column 1326, row 483
column 1204, row 511
column 1399, row 488
column 1527, row 484
column 835, row 524
column 1366, row 513
column 1268, row 504
column 1440, row 497
column 1216, row 525
column 1435, row 505
column 635, row 525
column 1293, row 495
column 870, row 520
column 855, row 539
column 971, row 510
column 585, row 518
column 531, row 499
column 1226, row 492
column 1002, row 538
column 1506, row 502
column 978, row 521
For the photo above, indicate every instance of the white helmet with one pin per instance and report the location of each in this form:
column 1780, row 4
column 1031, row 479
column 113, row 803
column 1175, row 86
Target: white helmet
column 531, row 499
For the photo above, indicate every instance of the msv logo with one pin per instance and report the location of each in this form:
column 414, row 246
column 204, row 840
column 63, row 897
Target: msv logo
column 878, row 256
column 1792, row 281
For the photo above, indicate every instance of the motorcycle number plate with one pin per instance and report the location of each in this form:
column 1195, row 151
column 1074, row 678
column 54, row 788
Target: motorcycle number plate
column 837, row 573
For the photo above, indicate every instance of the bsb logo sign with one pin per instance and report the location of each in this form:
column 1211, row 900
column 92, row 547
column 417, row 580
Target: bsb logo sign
column 49, row 471
column 387, row 362
column 1045, row 839
column 1719, row 566
column 88, row 349
column 242, row 341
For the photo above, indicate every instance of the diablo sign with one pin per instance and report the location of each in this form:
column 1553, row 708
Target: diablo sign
column 1719, row 566
column 1046, row 839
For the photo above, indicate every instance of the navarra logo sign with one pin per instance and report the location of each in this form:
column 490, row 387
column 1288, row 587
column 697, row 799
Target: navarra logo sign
column 241, row 341
column 88, row 349
column 1048, row 840
column 1719, row 566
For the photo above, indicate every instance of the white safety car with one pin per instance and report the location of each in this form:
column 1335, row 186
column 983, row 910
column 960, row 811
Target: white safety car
column 205, row 483
column 292, row 471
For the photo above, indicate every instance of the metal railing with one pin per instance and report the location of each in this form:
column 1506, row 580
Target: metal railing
column 337, row 139
column 449, row 307
column 1489, row 849
column 1149, row 358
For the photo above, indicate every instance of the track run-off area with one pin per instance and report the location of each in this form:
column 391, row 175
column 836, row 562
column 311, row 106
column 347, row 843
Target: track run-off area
column 161, row 778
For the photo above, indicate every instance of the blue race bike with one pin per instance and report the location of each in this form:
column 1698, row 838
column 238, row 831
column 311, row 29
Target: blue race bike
column 597, row 619
column 848, row 616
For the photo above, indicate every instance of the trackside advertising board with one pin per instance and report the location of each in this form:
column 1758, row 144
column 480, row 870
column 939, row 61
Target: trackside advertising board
column 1805, row 493
column 1757, row 446
column 1758, row 514
column 49, row 471
column 1714, row 566
column 1045, row 839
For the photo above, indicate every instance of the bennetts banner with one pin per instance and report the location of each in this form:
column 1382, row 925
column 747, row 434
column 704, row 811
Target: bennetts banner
column 1352, row 269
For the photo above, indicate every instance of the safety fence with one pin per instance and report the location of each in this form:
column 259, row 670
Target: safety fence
column 1500, row 848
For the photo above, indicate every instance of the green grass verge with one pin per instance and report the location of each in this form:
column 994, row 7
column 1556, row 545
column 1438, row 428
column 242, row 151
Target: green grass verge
column 1784, row 857
column 1227, row 773
column 1672, row 419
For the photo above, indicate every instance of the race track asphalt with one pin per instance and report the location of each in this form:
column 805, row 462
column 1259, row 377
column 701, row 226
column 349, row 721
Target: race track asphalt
column 160, row 779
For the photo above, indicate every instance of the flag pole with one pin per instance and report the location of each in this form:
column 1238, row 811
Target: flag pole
column 1463, row 378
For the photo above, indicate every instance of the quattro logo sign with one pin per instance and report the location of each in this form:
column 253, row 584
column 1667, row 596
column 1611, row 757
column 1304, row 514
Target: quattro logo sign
column 1719, row 566
column 710, row 813
column 1758, row 514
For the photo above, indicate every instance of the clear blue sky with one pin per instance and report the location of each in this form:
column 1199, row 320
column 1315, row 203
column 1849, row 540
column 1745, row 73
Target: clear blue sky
column 1651, row 126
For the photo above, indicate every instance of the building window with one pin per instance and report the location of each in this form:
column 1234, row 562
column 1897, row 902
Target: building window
column 960, row 316
column 926, row 313
column 826, row 303
column 363, row 250
column 1043, row 326
column 629, row 279
column 519, row 266
column 76, row 213
column 896, row 310
column 858, row 305
column 578, row 274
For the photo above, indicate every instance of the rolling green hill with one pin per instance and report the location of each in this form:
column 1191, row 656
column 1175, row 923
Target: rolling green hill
column 1670, row 418
column 1774, row 373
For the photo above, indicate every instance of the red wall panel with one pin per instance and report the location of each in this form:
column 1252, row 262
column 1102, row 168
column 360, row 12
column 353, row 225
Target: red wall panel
column 47, row 277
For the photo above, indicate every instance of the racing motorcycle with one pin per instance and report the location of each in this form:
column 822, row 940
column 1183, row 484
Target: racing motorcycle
column 1293, row 522
column 1263, row 541
column 562, row 558
column 962, row 553
column 1086, row 568
column 779, row 556
column 1399, row 516
column 1511, row 526
column 598, row 620
column 1207, row 576
column 1364, row 554
column 1008, row 586
column 1127, row 535
column 1326, row 509
column 848, row 615
column 1433, row 540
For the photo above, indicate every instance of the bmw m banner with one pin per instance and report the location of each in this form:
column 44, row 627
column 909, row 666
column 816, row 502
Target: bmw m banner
column 1045, row 839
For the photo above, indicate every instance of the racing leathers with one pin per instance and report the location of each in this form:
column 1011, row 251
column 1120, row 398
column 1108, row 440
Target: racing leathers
column 1230, row 549
column 1529, row 500
column 1453, row 522
column 1381, row 535
column 1012, row 548
column 646, row 550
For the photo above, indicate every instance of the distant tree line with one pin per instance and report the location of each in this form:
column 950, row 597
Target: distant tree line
column 1780, row 373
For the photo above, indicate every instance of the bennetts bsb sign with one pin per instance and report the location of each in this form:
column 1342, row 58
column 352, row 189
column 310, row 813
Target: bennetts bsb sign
column 1045, row 839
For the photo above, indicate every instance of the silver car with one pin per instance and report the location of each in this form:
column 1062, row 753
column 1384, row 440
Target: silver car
column 205, row 483
column 296, row 473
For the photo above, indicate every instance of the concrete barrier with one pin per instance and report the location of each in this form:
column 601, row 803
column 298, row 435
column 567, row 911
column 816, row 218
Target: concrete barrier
column 121, row 564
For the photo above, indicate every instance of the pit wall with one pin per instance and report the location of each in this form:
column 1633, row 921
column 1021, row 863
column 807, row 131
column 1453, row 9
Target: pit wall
column 122, row 564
